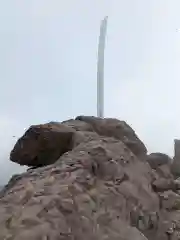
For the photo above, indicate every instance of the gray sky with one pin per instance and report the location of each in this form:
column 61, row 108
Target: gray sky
column 48, row 56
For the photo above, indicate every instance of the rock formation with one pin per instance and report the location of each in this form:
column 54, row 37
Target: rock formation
column 157, row 159
column 176, row 163
column 90, row 178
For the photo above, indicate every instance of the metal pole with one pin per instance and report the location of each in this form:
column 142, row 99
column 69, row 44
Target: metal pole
column 100, row 69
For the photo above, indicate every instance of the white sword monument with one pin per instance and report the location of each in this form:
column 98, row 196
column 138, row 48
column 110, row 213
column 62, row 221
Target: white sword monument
column 100, row 69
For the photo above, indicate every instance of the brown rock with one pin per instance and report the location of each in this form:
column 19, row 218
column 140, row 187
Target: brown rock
column 111, row 127
column 95, row 186
column 84, row 137
column 162, row 184
column 88, row 193
column 78, row 125
column 175, row 167
column 177, row 183
column 42, row 144
column 158, row 159
column 164, row 171
column 170, row 200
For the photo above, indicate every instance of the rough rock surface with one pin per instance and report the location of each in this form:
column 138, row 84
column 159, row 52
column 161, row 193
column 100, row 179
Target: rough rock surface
column 111, row 127
column 158, row 159
column 94, row 185
column 42, row 144
column 175, row 168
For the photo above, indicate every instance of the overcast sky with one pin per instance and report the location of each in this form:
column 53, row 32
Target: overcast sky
column 48, row 56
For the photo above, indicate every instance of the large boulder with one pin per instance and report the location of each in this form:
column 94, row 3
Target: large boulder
column 42, row 144
column 163, row 184
column 158, row 159
column 112, row 127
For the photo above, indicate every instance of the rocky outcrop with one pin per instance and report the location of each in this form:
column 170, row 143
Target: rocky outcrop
column 175, row 168
column 44, row 144
column 91, row 180
column 111, row 127
column 158, row 159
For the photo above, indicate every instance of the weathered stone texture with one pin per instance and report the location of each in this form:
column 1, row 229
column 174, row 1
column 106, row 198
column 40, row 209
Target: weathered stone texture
column 91, row 180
